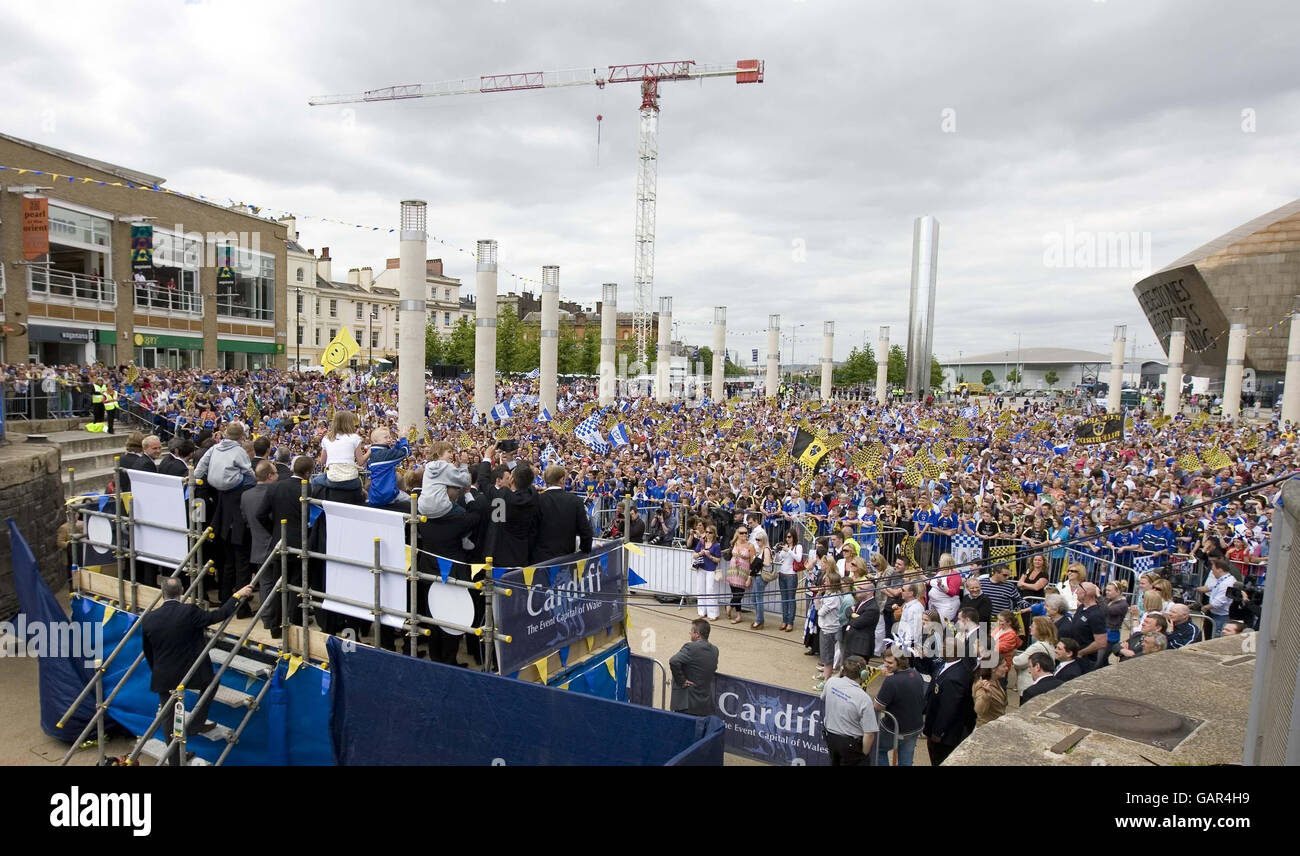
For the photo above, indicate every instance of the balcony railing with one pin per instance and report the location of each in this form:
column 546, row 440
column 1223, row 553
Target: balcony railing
column 76, row 288
column 229, row 306
column 168, row 301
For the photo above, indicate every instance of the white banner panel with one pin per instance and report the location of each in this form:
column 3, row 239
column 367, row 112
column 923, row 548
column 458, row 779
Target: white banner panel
column 159, row 500
column 665, row 569
column 350, row 533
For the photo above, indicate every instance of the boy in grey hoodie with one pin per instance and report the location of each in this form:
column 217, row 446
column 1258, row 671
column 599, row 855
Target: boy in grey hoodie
column 226, row 465
column 439, row 474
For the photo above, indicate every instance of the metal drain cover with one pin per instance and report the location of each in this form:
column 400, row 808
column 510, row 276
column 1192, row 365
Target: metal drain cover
column 1124, row 717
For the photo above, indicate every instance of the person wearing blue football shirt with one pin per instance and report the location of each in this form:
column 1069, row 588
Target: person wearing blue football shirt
column 924, row 519
column 945, row 526
column 818, row 509
column 1158, row 541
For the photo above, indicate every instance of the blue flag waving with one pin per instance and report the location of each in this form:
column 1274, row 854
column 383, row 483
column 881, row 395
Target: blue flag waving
column 544, row 415
column 619, row 436
column 502, row 411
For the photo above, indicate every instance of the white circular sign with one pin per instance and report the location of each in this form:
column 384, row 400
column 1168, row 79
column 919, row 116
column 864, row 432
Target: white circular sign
column 451, row 603
column 100, row 530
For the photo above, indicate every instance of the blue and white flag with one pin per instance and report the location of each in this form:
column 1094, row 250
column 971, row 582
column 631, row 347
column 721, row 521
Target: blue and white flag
column 549, row 455
column 971, row 412
column 619, row 436
column 531, row 400
column 704, row 402
column 534, row 374
column 502, row 411
column 624, row 406
column 588, row 431
column 544, row 416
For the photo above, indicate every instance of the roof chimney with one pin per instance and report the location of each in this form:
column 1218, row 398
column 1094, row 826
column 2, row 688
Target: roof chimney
column 324, row 267
column 433, row 267
column 290, row 227
column 367, row 277
column 354, row 276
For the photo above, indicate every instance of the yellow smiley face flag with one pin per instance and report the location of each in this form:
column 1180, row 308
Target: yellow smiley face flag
column 338, row 352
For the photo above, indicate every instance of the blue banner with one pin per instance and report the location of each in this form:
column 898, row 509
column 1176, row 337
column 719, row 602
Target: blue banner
column 564, row 604
column 772, row 724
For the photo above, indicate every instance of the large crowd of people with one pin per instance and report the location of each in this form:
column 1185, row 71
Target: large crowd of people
column 958, row 514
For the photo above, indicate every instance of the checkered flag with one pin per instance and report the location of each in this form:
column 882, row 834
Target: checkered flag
column 965, row 548
column 1144, row 565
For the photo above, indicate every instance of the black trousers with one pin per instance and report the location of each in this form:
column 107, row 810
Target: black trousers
column 938, row 751
column 192, row 722
column 111, row 416
column 846, row 751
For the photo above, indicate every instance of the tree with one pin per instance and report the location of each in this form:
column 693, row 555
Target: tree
column 435, row 350
column 515, row 352
column 860, row 367
column 897, row 371
column 459, row 348
column 568, row 352
column 987, row 377
column 1051, row 377
column 936, row 374
column 589, row 360
column 1013, row 376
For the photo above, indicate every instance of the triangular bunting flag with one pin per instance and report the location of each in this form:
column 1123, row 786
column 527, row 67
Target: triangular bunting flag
column 564, row 655
column 632, row 548
column 591, row 643
column 108, row 612
column 542, row 671
column 444, row 568
column 633, row 579
column 564, row 686
column 528, row 575
column 578, row 567
column 609, row 666
column 295, row 663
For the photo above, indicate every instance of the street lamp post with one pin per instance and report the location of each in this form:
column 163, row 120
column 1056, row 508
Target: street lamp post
column 297, row 328
column 1020, row 371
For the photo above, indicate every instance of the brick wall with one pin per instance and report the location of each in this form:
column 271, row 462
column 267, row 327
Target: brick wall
column 30, row 493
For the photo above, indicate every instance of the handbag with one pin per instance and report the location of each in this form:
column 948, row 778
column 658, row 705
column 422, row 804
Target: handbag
column 768, row 572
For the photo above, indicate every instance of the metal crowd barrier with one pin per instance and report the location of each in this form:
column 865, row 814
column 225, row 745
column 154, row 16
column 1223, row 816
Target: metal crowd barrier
column 34, row 403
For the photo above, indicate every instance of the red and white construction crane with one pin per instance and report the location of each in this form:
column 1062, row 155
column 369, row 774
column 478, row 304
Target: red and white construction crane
column 649, row 75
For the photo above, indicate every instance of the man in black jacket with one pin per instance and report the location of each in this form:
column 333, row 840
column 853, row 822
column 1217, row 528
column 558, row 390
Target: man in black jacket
column 512, row 513
column 134, row 459
column 173, row 637
column 284, row 503
column 1067, row 666
column 173, row 463
column 564, row 519
column 949, row 709
column 1040, row 668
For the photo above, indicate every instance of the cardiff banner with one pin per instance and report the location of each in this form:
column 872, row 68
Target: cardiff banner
column 1095, row 430
column 551, row 607
column 142, row 249
column 772, row 724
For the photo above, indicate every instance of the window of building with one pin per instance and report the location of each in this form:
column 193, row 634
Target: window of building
column 374, row 338
column 299, row 295
column 318, row 306
column 300, row 274
column 446, row 294
column 318, row 335
column 360, row 308
column 299, row 335
column 334, row 310
column 334, row 331
column 80, row 261
column 173, row 284
column 374, row 310
column 250, row 293
column 397, row 341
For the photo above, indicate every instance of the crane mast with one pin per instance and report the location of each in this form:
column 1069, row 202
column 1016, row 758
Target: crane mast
column 649, row 75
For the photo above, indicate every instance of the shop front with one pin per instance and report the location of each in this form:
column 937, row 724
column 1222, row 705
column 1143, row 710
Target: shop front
column 162, row 351
column 242, row 354
column 55, row 346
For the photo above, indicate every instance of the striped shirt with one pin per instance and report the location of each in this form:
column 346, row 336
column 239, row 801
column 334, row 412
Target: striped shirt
column 1004, row 595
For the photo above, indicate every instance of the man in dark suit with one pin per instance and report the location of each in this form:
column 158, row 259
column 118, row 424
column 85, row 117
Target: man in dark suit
column 949, row 709
column 693, row 669
column 564, row 519
column 173, row 463
column 173, row 638
column 1040, row 668
column 134, row 459
column 1068, row 666
column 285, row 504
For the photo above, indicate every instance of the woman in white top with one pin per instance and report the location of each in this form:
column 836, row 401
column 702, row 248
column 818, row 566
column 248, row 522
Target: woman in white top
column 789, row 560
column 1043, row 632
column 1074, row 578
column 940, row 599
column 342, row 453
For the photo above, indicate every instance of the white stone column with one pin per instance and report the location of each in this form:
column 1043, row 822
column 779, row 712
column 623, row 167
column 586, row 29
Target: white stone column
column 719, row 369
column 608, row 343
column 1174, row 377
column 828, row 358
column 550, row 336
column 882, row 367
column 920, row 313
column 1236, row 363
column 773, row 355
column 485, row 328
column 664, row 350
column 412, row 249
column 1118, row 345
column 1291, row 384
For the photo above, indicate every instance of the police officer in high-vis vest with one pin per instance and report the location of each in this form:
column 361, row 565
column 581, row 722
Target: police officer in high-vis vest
column 110, row 404
column 97, row 401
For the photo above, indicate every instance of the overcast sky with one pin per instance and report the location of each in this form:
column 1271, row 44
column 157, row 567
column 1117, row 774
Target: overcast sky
column 1010, row 122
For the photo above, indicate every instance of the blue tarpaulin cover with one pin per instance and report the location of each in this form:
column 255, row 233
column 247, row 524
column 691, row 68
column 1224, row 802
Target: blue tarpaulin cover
column 393, row 709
